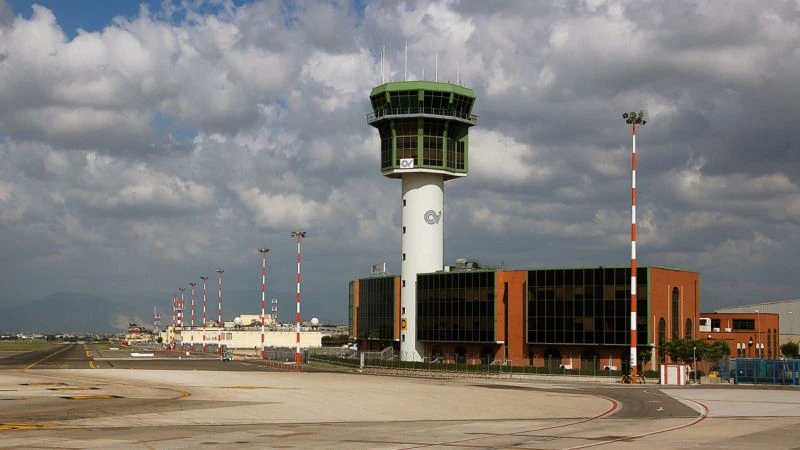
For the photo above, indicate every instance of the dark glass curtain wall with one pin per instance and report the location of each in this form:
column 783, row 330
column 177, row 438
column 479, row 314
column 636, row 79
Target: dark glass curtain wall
column 456, row 306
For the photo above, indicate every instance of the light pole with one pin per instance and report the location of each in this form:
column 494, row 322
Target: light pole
column 219, row 311
column 758, row 331
column 174, row 320
column 191, row 327
column 263, row 252
column 299, row 234
column 694, row 360
column 633, row 119
column 181, row 306
column 205, row 279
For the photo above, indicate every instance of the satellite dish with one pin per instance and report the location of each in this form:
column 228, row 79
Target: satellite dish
column 237, row 320
column 314, row 322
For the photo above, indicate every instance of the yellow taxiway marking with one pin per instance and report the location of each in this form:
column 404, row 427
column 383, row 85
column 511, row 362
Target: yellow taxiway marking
column 90, row 397
column 63, row 349
column 254, row 387
column 22, row 426
column 76, row 388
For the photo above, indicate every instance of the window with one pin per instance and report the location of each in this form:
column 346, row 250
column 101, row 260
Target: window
column 456, row 306
column 584, row 306
column 715, row 323
column 433, row 132
column 744, row 324
column 676, row 312
column 406, row 137
column 376, row 313
column 687, row 332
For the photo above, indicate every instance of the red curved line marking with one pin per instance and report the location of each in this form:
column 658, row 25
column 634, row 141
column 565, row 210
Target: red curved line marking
column 703, row 416
column 614, row 408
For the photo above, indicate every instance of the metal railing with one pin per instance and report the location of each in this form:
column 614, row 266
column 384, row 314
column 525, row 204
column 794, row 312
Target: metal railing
column 443, row 113
column 445, row 367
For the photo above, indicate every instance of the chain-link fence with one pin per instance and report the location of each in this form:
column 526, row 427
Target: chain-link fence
column 452, row 365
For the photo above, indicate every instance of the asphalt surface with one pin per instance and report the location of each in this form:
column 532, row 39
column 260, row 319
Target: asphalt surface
column 74, row 396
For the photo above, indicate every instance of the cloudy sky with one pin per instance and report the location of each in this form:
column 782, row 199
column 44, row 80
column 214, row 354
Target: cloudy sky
column 145, row 144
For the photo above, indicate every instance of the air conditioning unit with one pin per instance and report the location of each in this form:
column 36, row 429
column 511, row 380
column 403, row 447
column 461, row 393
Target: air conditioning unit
column 566, row 366
column 716, row 330
column 727, row 330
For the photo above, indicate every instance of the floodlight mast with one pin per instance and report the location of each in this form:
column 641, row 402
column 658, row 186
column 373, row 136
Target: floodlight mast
column 299, row 234
column 181, row 306
column 263, row 252
column 633, row 119
column 219, row 311
column 191, row 327
column 174, row 319
column 205, row 279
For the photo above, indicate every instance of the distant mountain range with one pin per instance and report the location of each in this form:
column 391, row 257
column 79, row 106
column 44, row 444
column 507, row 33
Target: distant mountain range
column 75, row 312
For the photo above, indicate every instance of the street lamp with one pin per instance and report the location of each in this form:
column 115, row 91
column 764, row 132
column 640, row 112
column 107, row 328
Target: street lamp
column 219, row 310
column 263, row 252
column 633, row 119
column 299, row 234
column 205, row 279
column 758, row 329
column 191, row 340
column 694, row 360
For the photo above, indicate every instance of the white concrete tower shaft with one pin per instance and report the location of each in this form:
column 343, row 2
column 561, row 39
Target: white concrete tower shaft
column 422, row 246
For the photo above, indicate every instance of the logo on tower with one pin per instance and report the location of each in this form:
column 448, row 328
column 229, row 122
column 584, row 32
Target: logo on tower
column 407, row 163
column 432, row 217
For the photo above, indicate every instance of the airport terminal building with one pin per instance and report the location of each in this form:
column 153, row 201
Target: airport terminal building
column 575, row 317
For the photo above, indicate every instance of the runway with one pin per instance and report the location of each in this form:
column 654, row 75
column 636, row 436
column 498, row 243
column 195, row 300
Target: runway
column 70, row 398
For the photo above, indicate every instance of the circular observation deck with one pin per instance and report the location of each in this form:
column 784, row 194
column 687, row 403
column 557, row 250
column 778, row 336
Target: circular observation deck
column 423, row 126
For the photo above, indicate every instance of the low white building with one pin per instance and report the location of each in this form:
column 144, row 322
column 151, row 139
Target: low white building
column 237, row 337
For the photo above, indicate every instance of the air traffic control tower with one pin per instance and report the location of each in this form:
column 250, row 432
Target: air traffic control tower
column 423, row 128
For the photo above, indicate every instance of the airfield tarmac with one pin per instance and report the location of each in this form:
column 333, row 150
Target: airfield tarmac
column 76, row 397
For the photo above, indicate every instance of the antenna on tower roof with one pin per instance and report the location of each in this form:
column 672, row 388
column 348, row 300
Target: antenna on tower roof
column 436, row 70
column 405, row 69
column 383, row 50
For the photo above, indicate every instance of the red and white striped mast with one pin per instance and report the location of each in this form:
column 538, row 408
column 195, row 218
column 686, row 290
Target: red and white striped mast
column 299, row 234
column 219, row 312
column 191, row 327
column 174, row 320
column 181, row 305
column 204, row 278
column 263, row 252
column 633, row 119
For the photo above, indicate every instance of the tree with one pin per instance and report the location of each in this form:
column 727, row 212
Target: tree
column 790, row 349
column 644, row 356
column 714, row 352
column 682, row 350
